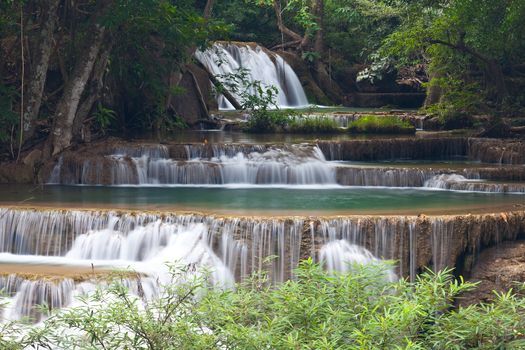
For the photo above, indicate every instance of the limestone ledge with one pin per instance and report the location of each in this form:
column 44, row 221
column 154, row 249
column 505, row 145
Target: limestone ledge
column 415, row 242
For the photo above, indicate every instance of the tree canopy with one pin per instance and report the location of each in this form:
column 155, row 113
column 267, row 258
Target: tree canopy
column 72, row 69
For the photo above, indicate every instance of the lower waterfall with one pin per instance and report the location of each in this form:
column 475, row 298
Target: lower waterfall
column 231, row 248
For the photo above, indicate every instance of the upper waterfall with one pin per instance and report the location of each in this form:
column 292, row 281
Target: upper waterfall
column 271, row 70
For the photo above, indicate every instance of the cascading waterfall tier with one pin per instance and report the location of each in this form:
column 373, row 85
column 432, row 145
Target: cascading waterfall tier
column 264, row 164
column 230, row 247
column 460, row 183
column 223, row 59
column 281, row 165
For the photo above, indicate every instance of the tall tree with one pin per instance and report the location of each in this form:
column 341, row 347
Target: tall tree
column 460, row 37
column 47, row 21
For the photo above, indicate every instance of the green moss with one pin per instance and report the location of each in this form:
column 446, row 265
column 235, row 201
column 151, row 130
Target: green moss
column 307, row 125
column 372, row 124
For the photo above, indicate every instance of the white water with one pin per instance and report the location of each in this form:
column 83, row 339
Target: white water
column 460, row 183
column 230, row 249
column 247, row 166
column 226, row 58
column 285, row 165
column 341, row 256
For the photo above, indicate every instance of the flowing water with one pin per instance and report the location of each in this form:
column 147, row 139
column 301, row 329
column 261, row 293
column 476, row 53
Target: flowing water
column 50, row 256
column 149, row 197
column 245, row 165
column 224, row 59
column 231, row 248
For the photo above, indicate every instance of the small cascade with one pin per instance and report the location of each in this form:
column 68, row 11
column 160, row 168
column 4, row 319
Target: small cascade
column 395, row 149
column 497, row 150
column 342, row 120
column 444, row 181
column 33, row 295
column 340, row 256
column 210, row 151
column 268, row 68
column 286, row 165
column 384, row 176
column 460, row 183
column 441, row 235
column 412, row 248
column 154, row 151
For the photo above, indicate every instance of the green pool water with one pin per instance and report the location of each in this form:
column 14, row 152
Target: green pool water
column 221, row 137
column 256, row 200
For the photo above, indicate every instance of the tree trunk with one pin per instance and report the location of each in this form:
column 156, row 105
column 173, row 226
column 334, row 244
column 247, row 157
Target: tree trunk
column 318, row 11
column 493, row 72
column 93, row 93
column 62, row 130
column 280, row 24
column 496, row 88
column 434, row 91
column 208, row 9
column 200, row 97
column 38, row 75
column 218, row 84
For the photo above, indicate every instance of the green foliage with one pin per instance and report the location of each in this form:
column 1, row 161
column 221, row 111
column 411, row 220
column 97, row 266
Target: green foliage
column 459, row 100
column 475, row 42
column 310, row 56
column 256, row 99
column 356, row 28
column 381, row 125
column 249, row 21
column 316, row 310
column 264, row 120
column 376, row 70
column 153, row 38
column 312, row 124
column 104, row 117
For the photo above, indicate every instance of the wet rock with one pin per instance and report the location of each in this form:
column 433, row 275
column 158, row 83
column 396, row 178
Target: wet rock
column 395, row 148
column 33, row 158
column 497, row 150
column 16, row 173
column 498, row 268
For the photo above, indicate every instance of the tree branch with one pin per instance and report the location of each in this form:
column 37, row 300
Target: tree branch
column 280, row 24
column 460, row 47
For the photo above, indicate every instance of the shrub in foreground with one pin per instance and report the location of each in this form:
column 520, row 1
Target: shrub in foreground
column 317, row 310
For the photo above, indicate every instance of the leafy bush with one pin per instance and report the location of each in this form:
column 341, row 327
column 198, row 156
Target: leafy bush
column 381, row 125
column 458, row 101
column 263, row 120
column 317, row 310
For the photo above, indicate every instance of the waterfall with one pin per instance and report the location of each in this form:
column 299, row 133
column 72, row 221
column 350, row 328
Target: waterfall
column 231, row 248
column 268, row 68
column 270, row 165
column 275, row 165
column 340, row 256
column 396, row 149
column 460, row 183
